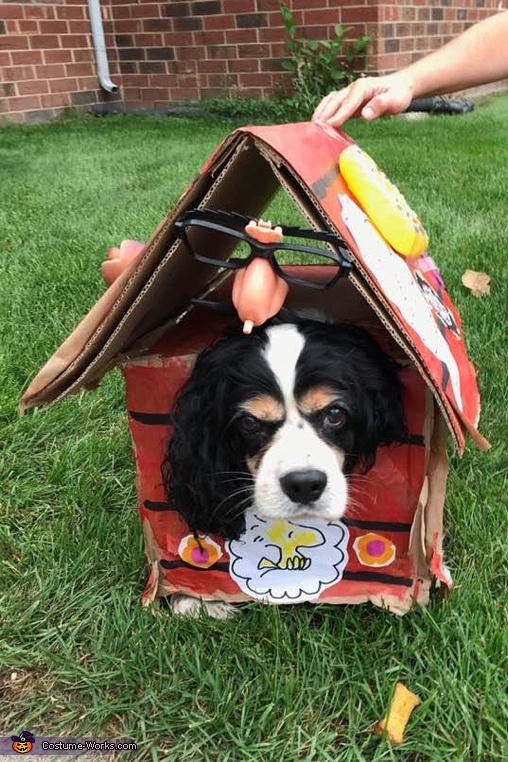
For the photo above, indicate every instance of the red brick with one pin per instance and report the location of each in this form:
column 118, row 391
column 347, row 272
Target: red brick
column 270, row 35
column 184, row 94
column 185, row 67
column 270, row 5
column 44, row 41
column 132, row 94
column 84, row 54
column 23, row 26
column 211, row 92
column 57, row 56
column 159, row 80
column 407, row 44
column 83, row 27
column 244, row 64
column 222, row 52
column 18, row 73
column 23, row 103
column 222, row 80
column 171, row 39
column 156, row 25
column 78, row 70
column 62, row 85
column 324, row 16
column 122, row 12
column 253, row 51
column 70, row 12
column 208, row 38
column 54, row 100
column 36, row 12
column 137, row 80
column 250, row 79
column 53, row 26
column 148, row 40
column 75, row 40
column 13, row 42
column 50, row 71
column 156, row 94
column 11, row 11
column 226, row 21
column 237, row 36
column 22, row 57
column 145, row 10
column 305, row 5
column 208, row 66
column 32, row 87
column 128, row 26
column 17, row 117
column 239, row 6
column 87, row 83
column 249, row 92
column 278, row 51
column 270, row 65
column 191, row 53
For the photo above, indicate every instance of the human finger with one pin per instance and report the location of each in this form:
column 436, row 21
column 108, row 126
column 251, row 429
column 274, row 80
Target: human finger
column 328, row 105
column 342, row 104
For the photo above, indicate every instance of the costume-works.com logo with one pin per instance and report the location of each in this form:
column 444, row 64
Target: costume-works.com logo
column 23, row 743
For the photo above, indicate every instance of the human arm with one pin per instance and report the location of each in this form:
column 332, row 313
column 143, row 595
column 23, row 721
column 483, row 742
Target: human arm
column 477, row 56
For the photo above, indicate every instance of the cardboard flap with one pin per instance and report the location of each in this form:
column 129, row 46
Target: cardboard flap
column 241, row 176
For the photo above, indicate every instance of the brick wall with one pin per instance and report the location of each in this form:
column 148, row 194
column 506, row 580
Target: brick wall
column 161, row 53
column 408, row 30
column 46, row 58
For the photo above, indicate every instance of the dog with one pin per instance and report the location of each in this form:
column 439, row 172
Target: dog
column 277, row 421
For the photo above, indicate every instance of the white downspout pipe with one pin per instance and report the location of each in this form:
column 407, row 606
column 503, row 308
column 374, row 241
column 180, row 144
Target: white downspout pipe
column 99, row 43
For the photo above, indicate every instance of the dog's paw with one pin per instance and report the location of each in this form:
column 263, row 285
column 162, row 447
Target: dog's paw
column 186, row 605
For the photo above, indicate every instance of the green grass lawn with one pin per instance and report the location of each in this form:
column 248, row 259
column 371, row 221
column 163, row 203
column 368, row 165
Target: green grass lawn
column 78, row 655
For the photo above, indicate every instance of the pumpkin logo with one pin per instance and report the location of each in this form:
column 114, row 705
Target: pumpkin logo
column 23, row 743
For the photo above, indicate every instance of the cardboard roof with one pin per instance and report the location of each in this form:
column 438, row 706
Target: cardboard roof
column 153, row 296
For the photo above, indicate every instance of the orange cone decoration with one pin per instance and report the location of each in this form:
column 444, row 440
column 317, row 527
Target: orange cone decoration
column 118, row 259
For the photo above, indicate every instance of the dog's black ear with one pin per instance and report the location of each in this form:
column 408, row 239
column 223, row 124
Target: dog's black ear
column 383, row 409
column 204, row 478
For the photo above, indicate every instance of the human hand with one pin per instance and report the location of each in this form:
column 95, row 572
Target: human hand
column 368, row 97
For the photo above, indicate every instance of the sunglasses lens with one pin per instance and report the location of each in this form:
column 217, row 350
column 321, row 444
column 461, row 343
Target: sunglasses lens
column 302, row 251
column 216, row 246
column 221, row 241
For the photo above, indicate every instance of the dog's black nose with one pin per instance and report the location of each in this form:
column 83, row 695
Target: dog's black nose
column 303, row 486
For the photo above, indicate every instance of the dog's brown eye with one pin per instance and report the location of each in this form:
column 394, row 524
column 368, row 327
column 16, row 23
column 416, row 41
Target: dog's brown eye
column 335, row 416
column 248, row 423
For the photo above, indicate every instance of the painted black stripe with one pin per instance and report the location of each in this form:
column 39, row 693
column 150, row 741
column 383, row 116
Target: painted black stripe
column 152, row 419
column 157, row 505
column 320, row 187
column 413, row 439
column 383, row 526
column 224, row 567
column 368, row 576
column 361, row 576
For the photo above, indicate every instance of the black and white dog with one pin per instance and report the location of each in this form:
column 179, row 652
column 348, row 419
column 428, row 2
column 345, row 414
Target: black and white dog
column 277, row 420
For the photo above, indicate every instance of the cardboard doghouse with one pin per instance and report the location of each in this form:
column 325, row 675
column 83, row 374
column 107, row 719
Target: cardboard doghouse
column 388, row 548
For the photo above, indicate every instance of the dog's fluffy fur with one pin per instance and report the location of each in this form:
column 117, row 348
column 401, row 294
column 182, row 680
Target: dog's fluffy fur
column 276, row 421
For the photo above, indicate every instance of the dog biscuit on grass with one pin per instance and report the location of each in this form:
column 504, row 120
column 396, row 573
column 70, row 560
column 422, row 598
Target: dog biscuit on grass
column 397, row 716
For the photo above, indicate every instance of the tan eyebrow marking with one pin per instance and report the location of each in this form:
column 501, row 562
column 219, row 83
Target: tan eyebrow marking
column 265, row 408
column 316, row 399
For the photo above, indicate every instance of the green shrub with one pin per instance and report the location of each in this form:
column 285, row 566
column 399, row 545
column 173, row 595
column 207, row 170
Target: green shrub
column 318, row 66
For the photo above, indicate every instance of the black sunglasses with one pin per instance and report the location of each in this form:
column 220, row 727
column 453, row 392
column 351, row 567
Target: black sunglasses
column 205, row 230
